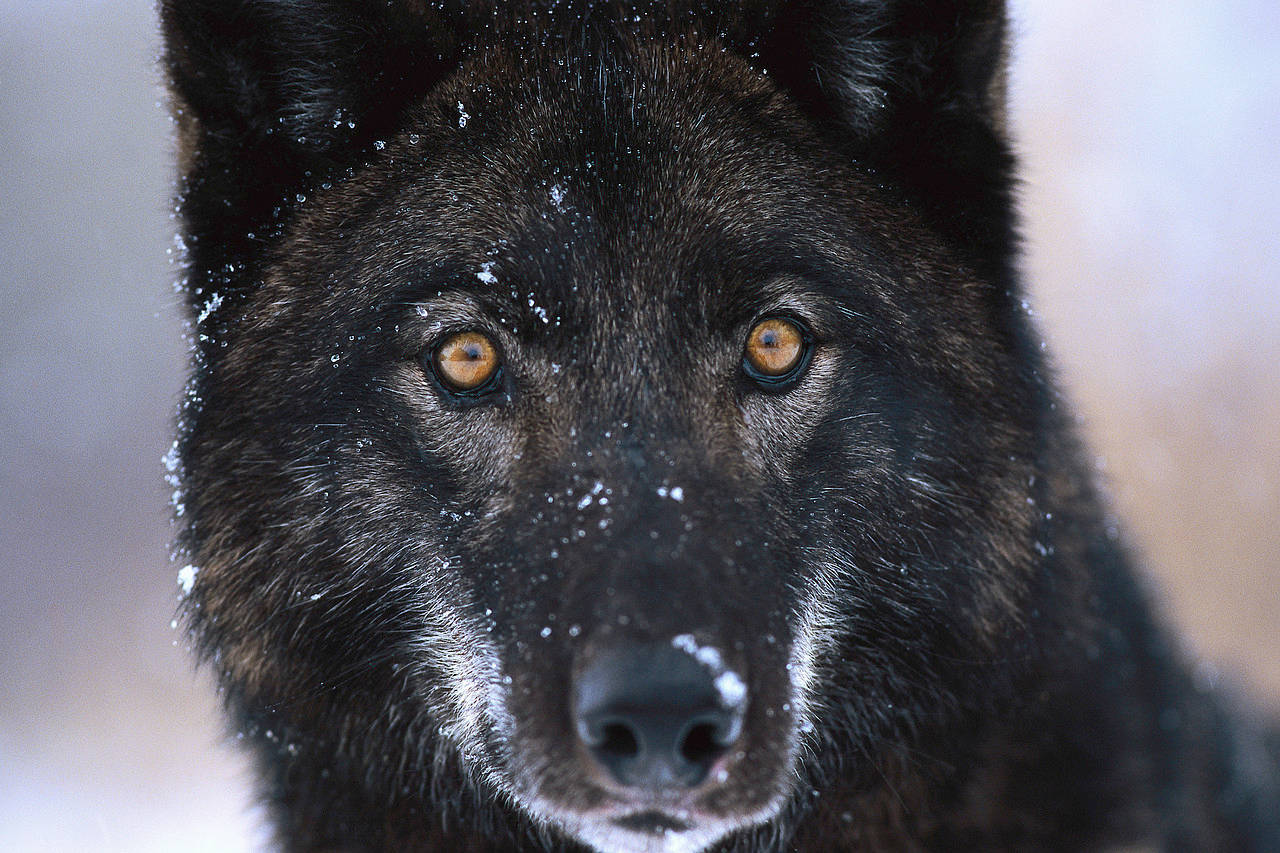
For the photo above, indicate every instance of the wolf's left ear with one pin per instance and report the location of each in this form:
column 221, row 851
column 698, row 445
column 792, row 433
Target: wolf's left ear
column 913, row 87
column 300, row 77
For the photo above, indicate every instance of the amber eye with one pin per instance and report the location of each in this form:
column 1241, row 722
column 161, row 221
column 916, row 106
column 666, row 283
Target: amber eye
column 776, row 350
column 466, row 362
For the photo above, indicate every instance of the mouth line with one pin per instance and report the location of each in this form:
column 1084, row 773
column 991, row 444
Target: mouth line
column 651, row 822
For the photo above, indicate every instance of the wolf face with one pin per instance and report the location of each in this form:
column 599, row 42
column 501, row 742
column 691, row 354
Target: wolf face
column 611, row 426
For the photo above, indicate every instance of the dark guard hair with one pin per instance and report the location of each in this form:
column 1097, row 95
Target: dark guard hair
column 882, row 584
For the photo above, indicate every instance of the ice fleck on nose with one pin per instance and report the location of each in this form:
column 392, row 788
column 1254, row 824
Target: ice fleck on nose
column 729, row 685
column 731, row 689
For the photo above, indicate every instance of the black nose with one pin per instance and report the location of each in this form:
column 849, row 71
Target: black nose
column 658, row 716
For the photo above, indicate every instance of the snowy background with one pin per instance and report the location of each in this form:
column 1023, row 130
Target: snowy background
column 1150, row 134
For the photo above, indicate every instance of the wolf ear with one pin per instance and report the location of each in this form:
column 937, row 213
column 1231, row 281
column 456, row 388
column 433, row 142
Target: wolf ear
column 314, row 76
column 913, row 87
column 873, row 62
column 272, row 96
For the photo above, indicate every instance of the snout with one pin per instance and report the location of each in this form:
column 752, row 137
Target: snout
column 661, row 716
column 635, row 742
column 657, row 718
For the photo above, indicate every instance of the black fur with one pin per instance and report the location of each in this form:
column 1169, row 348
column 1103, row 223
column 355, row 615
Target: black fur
column 943, row 642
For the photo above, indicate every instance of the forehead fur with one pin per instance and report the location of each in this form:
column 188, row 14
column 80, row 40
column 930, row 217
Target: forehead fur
column 584, row 164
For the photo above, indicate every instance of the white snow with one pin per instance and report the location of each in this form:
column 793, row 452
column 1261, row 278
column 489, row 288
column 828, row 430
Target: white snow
column 214, row 303
column 729, row 685
column 708, row 656
column 676, row 493
column 171, row 459
column 463, row 115
column 539, row 310
column 187, row 578
column 485, row 273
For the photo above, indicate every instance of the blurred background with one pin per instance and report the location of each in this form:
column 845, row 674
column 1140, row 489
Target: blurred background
column 1150, row 142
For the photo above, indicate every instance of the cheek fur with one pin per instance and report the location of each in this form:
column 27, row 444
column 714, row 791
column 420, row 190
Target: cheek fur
column 775, row 427
column 477, row 445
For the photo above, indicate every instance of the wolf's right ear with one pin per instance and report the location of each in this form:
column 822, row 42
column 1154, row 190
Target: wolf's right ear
column 301, row 77
column 271, row 96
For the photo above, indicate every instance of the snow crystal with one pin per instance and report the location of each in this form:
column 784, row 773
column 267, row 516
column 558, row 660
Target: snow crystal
column 485, row 273
column 539, row 310
column 729, row 685
column 171, row 459
column 676, row 493
column 463, row 115
column 214, row 303
column 187, row 578
column 731, row 689
column 340, row 118
column 557, row 196
column 706, row 655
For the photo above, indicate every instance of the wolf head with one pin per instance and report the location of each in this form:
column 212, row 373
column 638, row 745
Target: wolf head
column 612, row 423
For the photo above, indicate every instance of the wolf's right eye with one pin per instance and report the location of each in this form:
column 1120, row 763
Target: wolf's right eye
column 466, row 363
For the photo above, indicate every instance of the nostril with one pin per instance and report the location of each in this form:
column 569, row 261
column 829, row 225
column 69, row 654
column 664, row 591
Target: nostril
column 618, row 741
column 700, row 746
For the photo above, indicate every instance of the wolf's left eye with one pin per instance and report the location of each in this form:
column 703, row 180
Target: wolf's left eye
column 466, row 363
column 777, row 350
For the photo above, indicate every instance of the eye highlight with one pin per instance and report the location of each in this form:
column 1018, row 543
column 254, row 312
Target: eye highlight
column 776, row 351
column 466, row 363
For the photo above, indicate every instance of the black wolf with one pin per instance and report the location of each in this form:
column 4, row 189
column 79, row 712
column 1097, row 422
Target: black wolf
column 616, row 426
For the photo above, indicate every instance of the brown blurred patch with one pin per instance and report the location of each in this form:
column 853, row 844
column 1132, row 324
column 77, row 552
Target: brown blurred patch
column 1152, row 264
column 1194, row 477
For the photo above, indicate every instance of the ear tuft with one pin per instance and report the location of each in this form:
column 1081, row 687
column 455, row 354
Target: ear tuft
column 914, row 88
column 317, row 75
column 871, row 58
